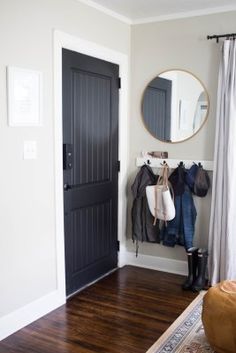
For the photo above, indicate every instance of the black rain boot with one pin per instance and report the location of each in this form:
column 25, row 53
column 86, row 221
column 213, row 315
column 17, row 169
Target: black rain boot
column 192, row 267
column 200, row 281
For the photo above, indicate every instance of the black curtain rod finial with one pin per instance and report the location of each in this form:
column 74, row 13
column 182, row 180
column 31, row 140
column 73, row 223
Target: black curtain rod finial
column 217, row 36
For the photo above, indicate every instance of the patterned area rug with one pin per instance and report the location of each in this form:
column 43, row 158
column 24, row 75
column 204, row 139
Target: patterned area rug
column 186, row 334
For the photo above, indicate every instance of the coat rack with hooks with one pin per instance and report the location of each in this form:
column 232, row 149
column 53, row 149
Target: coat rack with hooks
column 172, row 163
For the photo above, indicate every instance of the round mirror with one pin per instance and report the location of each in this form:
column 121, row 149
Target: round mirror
column 175, row 106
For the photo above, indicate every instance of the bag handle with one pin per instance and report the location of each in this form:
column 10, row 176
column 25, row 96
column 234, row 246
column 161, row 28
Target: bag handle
column 162, row 180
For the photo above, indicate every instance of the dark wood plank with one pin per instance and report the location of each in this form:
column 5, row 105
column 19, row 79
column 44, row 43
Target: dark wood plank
column 122, row 313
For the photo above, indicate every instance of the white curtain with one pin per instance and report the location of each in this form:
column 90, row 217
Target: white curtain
column 222, row 237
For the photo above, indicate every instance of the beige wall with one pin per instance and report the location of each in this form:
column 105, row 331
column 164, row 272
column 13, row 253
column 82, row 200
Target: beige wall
column 27, row 208
column 157, row 47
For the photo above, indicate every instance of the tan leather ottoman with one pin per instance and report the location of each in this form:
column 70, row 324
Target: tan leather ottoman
column 219, row 317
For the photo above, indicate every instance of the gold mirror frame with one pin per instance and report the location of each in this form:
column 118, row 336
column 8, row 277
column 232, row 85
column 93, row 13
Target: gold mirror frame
column 206, row 115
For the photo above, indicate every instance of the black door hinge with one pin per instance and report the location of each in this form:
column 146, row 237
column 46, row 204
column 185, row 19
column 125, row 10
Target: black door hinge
column 118, row 166
column 118, row 245
column 67, row 156
column 119, row 82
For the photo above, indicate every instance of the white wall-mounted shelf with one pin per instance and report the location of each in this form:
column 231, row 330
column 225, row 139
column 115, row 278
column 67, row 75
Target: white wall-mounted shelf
column 172, row 163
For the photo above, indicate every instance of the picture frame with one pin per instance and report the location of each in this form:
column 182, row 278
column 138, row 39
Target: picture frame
column 24, row 88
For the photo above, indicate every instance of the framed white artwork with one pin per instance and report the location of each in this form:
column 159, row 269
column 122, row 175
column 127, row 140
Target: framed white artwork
column 24, row 97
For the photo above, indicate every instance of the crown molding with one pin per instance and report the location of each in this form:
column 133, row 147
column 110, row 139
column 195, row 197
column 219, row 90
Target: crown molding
column 107, row 11
column 189, row 14
column 174, row 16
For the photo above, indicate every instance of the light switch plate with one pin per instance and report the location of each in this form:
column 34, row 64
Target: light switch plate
column 30, row 149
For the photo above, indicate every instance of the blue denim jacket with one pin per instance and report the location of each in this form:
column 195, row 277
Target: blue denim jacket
column 181, row 229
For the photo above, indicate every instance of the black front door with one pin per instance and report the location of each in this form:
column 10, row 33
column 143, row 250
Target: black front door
column 90, row 152
column 157, row 108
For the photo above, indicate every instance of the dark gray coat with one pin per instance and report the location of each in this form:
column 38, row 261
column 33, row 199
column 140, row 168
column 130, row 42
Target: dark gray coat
column 142, row 220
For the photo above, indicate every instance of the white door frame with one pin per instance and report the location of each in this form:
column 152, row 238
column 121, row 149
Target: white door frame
column 64, row 40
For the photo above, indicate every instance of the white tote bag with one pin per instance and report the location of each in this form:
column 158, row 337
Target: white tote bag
column 159, row 198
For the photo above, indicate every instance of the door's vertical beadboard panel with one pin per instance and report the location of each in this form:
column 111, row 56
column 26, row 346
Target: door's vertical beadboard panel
column 92, row 160
column 95, row 223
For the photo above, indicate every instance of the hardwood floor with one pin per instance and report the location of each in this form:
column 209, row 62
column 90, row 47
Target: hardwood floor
column 125, row 312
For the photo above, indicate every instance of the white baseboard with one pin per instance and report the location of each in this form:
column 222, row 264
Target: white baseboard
column 29, row 313
column 153, row 262
column 122, row 256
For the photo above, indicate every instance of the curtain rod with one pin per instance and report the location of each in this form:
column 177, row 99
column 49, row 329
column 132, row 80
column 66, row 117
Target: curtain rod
column 217, row 36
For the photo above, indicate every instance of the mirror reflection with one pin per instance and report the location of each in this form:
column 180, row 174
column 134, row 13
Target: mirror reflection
column 175, row 106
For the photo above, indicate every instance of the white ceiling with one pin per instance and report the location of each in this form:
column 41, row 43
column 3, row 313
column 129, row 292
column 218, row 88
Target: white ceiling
column 141, row 11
